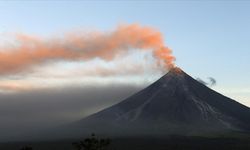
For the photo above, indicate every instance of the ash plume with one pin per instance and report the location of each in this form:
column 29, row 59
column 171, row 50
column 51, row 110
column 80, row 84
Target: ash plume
column 31, row 51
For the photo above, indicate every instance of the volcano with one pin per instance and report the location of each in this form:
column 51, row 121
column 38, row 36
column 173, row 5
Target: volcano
column 176, row 104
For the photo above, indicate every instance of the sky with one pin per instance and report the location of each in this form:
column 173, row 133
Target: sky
column 207, row 38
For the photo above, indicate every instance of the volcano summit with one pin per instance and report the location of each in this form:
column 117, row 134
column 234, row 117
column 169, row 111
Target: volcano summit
column 176, row 104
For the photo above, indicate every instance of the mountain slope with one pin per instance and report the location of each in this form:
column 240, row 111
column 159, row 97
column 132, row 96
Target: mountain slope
column 175, row 104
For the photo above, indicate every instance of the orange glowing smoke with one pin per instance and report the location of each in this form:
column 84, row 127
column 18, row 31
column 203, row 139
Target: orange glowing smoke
column 31, row 51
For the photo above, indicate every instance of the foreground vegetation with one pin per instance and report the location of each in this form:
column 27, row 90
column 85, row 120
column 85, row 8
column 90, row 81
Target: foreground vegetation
column 140, row 143
column 90, row 143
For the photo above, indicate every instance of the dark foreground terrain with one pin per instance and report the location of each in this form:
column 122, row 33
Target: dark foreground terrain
column 170, row 143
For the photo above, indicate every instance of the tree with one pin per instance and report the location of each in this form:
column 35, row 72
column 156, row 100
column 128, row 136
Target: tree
column 26, row 148
column 93, row 143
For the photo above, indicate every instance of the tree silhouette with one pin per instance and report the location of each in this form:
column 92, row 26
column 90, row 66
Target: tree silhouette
column 92, row 143
column 26, row 148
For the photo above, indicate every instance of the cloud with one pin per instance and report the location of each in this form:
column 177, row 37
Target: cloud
column 211, row 82
column 82, row 74
column 201, row 81
column 28, row 111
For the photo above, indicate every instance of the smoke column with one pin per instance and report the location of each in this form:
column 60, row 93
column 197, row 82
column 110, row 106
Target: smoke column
column 31, row 51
